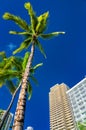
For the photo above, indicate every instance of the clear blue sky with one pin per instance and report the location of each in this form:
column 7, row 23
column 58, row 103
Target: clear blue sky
column 66, row 54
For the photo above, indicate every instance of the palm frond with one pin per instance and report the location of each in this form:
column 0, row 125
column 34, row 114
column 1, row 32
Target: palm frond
column 16, row 62
column 20, row 33
column 13, row 62
column 34, row 79
column 32, row 15
column 8, row 65
column 8, row 62
column 10, row 86
column 24, row 45
column 42, row 23
column 32, row 70
column 19, row 21
column 38, row 44
column 37, row 66
column 2, row 82
column 2, row 64
column 29, row 90
column 51, row 35
column 2, row 55
column 25, row 60
column 7, row 74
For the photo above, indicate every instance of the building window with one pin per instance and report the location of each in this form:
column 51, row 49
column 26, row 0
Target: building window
column 82, row 108
column 84, row 96
column 78, row 116
column 78, row 95
column 80, row 103
column 84, row 113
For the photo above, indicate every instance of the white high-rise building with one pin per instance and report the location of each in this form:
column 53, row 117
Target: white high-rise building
column 77, row 96
column 8, row 120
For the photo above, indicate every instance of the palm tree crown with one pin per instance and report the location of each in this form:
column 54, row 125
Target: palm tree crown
column 33, row 31
column 14, row 67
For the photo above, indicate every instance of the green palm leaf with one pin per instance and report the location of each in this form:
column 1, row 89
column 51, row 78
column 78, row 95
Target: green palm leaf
column 32, row 15
column 37, row 66
column 10, row 86
column 34, row 79
column 8, row 62
column 16, row 63
column 2, row 64
column 20, row 33
column 13, row 62
column 17, row 20
column 25, row 60
column 38, row 44
column 2, row 55
column 8, row 65
column 42, row 23
column 2, row 82
column 7, row 74
column 24, row 45
column 29, row 90
column 51, row 35
column 33, row 69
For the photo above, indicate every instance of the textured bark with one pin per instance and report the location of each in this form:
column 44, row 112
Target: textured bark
column 9, row 107
column 20, row 110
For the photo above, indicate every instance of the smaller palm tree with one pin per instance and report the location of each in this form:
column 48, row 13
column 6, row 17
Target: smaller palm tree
column 18, row 64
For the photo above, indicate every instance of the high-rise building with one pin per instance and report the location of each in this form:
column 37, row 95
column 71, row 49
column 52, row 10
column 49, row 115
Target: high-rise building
column 77, row 97
column 61, row 115
column 8, row 120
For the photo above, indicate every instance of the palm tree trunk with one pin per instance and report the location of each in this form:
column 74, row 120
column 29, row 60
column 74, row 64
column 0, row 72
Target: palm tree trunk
column 9, row 107
column 20, row 110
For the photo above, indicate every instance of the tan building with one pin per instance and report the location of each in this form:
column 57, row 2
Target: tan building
column 61, row 117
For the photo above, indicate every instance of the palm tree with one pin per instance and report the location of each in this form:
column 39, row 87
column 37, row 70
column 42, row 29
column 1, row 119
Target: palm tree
column 81, row 125
column 19, row 64
column 31, row 32
column 6, row 65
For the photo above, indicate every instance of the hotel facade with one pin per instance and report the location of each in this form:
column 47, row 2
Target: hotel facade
column 77, row 97
column 67, row 106
column 61, row 116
